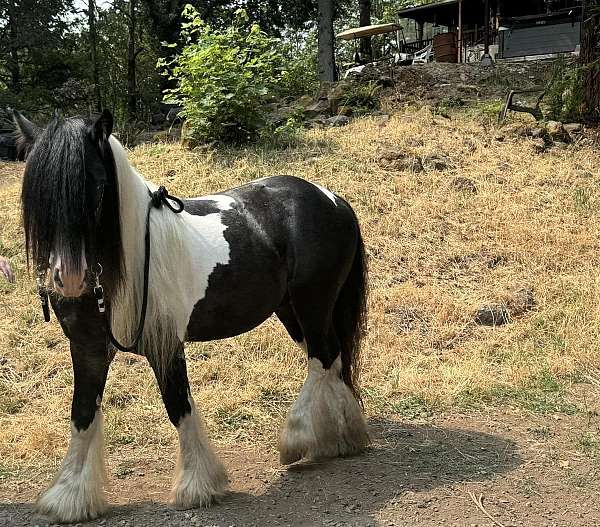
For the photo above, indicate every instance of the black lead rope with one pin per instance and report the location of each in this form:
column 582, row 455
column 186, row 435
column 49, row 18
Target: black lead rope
column 158, row 198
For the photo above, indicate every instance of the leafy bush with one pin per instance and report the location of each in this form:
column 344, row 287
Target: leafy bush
column 224, row 78
column 300, row 75
column 362, row 97
column 564, row 95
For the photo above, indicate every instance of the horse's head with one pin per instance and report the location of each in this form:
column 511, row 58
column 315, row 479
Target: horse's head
column 70, row 200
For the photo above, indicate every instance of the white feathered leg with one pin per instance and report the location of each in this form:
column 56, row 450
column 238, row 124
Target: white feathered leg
column 76, row 494
column 200, row 478
column 325, row 421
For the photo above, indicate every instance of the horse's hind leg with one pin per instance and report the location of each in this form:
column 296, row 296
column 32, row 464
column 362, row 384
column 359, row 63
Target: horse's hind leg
column 76, row 494
column 200, row 478
column 326, row 420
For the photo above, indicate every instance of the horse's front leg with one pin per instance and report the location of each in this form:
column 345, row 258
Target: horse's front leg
column 76, row 494
column 200, row 478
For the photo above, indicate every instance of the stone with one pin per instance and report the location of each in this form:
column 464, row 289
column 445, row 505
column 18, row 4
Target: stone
column 540, row 145
column 435, row 162
column 398, row 160
column 304, row 101
column 521, row 301
column 345, row 110
column 557, row 132
column 492, row 315
column 573, row 127
column 318, row 107
column 464, row 184
column 338, row 120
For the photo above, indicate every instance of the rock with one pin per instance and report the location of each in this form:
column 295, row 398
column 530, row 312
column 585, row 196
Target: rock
column 435, row 162
column 573, row 127
column 499, row 137
column 540, row 145
column 492, row 315
column 318, row 107
column 304, row 101
column 344, row 110
column 518, row 303
column 464, row 184
column 338, row 120
column 280, row 114
column 521, row 301
column 557, row 132
column 398, row 160
column 539, row 132
column 337, row 94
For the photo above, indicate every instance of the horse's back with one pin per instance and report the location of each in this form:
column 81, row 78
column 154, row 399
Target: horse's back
column 278, row 229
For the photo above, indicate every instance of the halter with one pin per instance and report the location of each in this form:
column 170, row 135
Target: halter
column 158, row 198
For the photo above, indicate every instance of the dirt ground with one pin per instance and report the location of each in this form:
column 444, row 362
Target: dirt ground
column 526, row 468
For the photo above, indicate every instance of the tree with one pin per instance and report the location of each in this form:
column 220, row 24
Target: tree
column 93, row 41
column 590, row 59
column 326, row 53
column 28, row 27
column 131, row 66
column 365, row 20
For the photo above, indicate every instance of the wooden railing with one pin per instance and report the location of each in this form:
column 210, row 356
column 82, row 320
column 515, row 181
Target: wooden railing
column 413, row 47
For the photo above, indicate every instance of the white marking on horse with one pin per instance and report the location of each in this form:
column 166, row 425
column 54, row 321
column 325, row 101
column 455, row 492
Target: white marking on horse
column 327, row 192
column 77, row 491
column 325, row 421
column 200, row 478
column 223, row 201
column 185, row 251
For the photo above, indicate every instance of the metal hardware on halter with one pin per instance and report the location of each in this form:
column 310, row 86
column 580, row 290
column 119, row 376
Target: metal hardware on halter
column 99, row 290
column 43, row 292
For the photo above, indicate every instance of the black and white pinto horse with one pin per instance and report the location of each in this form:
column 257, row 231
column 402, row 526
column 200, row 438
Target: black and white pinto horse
column 219, row 268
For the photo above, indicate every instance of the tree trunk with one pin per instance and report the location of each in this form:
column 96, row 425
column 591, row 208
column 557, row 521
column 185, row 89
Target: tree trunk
column 327, row 71
column 94, row 54
column 590, row 57
column 131, row 88
column 366, row 49
column 13, row 64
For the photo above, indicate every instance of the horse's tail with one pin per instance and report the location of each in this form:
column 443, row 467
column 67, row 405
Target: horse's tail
column 350, row 316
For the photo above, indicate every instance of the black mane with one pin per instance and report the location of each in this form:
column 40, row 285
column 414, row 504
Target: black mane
column 70, row 197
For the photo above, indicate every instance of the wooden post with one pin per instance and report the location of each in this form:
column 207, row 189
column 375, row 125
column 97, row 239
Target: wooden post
column 460, row 36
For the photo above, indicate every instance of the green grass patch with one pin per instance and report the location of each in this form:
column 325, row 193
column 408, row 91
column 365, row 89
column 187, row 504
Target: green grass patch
column 541, row 394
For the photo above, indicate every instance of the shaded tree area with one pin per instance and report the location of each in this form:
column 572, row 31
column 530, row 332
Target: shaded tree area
column 590, row 60
column 83, row 55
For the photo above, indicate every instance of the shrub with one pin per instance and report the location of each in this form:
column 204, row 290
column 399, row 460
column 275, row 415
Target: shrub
column 224, row 78
column 362, row 97
column 564, row 95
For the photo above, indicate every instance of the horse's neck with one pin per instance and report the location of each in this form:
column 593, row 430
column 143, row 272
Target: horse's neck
column 133, row 205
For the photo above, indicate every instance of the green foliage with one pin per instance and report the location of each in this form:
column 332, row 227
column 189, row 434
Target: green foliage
column 299, row 75
column 224, row 78
column 362, row 97
column 564, row 95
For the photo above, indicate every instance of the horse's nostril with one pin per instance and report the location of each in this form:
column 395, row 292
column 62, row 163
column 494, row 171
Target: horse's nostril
column 57, row 279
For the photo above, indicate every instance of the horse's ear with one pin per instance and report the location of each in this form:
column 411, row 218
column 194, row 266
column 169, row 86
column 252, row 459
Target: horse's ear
column 26, row 133
column 103, row 126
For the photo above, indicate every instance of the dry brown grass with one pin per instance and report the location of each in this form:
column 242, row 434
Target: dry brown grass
column 436, row 253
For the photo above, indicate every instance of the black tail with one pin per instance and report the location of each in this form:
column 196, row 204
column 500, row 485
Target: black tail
column 350, row 317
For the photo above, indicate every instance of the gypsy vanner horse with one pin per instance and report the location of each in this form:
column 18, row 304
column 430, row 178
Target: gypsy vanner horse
column 128, row 267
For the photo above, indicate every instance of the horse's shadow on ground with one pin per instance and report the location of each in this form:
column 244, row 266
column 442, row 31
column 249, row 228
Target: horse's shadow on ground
column 405, row 459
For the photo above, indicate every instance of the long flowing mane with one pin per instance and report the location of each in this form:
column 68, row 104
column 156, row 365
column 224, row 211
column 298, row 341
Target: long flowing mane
column 70, row 198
